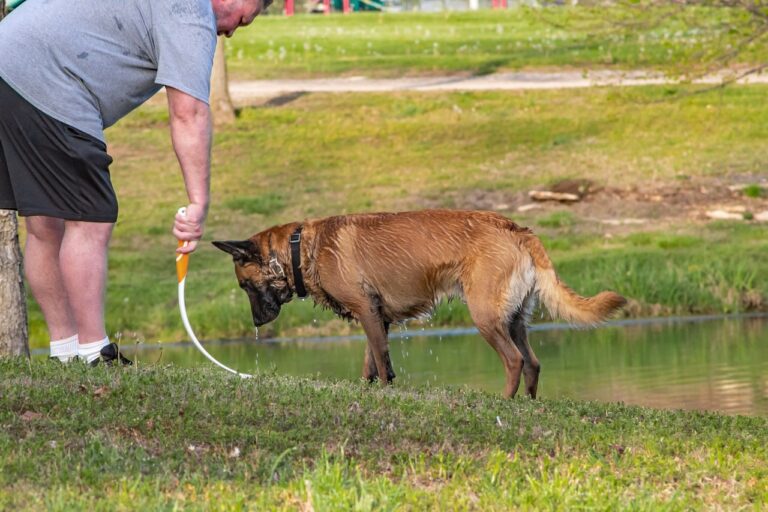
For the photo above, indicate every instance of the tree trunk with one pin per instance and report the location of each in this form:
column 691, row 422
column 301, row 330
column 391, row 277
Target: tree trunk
column 221, row 104
column 14, row 338
column 13, row 305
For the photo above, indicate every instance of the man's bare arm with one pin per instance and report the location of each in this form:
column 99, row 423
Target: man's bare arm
column 191, row 134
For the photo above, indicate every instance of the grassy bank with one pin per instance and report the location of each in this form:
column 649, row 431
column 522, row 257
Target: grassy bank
column 627, row 37
column 329, row 154
column 164, row 438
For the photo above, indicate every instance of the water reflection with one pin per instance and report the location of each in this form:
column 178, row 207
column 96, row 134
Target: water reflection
column 707, row 365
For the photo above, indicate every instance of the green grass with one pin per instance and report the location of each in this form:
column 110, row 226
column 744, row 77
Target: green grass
column 264, row 204
column 669, row 280
column 163, row 438
column 557, row 220
column 753, row 191
column 330, row 154
column 482, row 42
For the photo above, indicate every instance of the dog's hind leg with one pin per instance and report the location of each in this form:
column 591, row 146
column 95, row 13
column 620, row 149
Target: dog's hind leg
column 492, row 327
column 370, row 372
column 518, row 329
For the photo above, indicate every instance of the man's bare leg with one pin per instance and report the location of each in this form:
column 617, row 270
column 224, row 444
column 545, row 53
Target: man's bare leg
column 41, row 266
column 83, row 263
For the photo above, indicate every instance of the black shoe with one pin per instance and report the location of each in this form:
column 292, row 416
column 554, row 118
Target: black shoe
column 110, row 355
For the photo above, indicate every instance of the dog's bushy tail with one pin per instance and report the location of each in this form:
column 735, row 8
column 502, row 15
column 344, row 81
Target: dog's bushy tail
column 560, row 300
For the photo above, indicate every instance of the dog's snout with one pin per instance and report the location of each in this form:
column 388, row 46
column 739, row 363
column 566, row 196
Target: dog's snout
column 265, row 304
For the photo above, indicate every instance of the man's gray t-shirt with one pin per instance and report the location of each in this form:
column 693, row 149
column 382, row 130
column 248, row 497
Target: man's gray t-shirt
column 88, row 63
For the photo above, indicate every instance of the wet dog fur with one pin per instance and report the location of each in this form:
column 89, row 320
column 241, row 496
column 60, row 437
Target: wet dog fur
column 384, row 268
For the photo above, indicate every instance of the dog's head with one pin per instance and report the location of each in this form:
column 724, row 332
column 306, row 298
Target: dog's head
column 261, row 276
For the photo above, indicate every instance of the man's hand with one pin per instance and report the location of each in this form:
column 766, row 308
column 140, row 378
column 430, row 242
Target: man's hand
column 188, row 227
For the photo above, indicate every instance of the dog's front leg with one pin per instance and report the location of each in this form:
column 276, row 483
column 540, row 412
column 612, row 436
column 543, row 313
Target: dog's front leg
column 370, row 372
column 377, row 362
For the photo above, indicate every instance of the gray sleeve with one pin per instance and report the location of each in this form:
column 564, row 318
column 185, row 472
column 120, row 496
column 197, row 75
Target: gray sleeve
column 185, row 40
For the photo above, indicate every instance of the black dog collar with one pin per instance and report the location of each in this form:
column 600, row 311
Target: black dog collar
column 298, row 281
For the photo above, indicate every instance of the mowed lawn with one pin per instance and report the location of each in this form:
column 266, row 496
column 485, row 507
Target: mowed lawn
column 328, row 154
column 169, row 438
column 629, row 36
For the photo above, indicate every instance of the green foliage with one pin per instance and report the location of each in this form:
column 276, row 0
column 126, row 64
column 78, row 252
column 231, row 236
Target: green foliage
column 681, row 281
column 663, row 240
column 640, row 239
column 754, row 191
column 678, row 241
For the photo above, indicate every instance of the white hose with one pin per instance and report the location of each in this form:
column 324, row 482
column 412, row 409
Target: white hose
column 182, row 262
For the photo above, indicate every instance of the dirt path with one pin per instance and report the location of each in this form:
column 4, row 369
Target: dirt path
column 250, row 91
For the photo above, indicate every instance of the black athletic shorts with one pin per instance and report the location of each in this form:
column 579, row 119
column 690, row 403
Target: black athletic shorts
column 50, row 168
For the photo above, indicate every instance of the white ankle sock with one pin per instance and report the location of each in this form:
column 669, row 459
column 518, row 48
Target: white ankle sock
column 64, row 350
column 90, row 351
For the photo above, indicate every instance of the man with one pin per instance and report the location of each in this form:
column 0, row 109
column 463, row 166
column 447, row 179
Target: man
column 69, row 69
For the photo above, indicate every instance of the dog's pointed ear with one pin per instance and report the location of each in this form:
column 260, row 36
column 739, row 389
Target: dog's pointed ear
column 241, row 251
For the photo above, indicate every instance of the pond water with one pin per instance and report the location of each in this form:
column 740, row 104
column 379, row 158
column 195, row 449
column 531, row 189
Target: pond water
column 706, row 363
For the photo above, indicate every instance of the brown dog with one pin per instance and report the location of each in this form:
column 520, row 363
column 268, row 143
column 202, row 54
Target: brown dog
column 388, row 267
